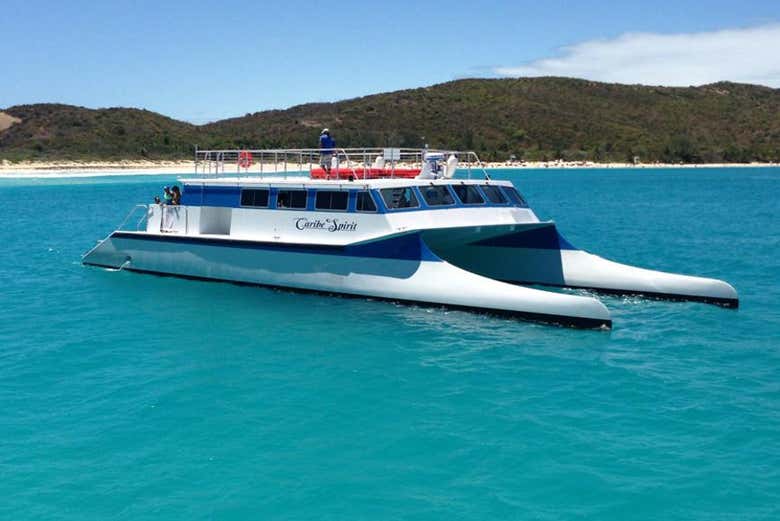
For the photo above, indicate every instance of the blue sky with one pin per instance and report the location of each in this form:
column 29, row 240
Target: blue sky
column 202, row 61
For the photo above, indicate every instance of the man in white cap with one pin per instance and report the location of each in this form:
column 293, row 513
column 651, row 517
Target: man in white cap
column 327, row 148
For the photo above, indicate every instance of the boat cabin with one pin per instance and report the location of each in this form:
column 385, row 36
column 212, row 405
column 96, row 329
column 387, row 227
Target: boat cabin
column 271, row 198
column 376, row 196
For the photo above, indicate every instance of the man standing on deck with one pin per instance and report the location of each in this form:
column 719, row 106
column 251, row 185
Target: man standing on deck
column 327, row 146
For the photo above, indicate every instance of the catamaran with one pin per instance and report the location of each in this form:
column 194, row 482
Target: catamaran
column 422, row 226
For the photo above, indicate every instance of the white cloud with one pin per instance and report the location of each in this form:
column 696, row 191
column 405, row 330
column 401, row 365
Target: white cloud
column 750, row 55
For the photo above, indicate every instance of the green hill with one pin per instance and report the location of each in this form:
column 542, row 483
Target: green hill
column 53, row 131
column 531, row 118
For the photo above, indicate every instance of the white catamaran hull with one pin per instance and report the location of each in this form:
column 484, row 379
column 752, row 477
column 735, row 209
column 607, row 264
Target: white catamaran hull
column 401, row 268
column 537, row 254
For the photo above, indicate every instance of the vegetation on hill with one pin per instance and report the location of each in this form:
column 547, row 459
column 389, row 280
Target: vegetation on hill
column 53, row 131
column 530, row 118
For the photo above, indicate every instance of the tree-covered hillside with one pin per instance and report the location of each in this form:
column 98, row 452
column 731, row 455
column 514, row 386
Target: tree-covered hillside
column 531, row 118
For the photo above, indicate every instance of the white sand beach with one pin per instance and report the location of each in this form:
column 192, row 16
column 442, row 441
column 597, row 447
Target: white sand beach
column 10, row 169
column 93, row 168
column 591, row 164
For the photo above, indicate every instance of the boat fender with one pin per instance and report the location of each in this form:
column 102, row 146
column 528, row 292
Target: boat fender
column 452, row 165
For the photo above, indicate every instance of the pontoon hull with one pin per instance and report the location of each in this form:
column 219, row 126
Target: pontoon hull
column 401, row 268
column 538, row 254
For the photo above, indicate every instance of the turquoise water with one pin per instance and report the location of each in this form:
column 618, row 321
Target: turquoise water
column 129, row 396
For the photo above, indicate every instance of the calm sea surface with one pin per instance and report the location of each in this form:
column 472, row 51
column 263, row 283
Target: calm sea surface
column 127, row 396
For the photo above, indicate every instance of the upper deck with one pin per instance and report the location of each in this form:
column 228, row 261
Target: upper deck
column 289, row 179
column 300, row 179
column 339, row 163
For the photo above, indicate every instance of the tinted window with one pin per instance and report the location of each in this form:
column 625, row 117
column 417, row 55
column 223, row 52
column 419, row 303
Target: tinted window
column 515, row 196
column 493, row 194
column 468, row 194
column 291, row 199
column 256, row 198
column 436, row 195
column 365, row 203
column 331, row 200
column 396, row 198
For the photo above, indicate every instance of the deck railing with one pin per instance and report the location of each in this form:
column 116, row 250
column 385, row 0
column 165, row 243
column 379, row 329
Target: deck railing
column 163, row 217
column 357, row 161
column 133, row 212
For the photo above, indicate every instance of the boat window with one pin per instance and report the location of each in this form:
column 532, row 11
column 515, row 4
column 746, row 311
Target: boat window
column 294, row 199
column 494, row 194
column 468, row 194
column 515, row 196
column 396, row 198
column 331, row 200
column 253, row 197
column 365, row 203
column 436, row 195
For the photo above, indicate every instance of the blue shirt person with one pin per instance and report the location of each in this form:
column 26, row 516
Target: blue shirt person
column 327, row 146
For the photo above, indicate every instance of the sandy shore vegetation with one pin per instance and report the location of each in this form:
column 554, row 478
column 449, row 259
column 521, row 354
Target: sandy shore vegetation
column 125, row 167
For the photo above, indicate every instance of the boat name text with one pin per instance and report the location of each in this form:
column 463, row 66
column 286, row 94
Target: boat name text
column 331, row 225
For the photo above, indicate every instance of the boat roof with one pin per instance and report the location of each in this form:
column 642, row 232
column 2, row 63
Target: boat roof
column 306, row 181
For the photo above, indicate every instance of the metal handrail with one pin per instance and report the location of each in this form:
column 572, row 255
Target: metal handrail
column 145, row 216
column 284, row 156
column 133, row 211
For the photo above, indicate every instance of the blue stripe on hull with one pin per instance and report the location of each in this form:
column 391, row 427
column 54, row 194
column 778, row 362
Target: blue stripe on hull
column 404, row 247
column 544, row 238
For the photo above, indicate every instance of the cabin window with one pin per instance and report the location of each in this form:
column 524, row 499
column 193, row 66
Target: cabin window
column 436, row 195
column 397, row 198
column 254, row 198
column 494, row 194
column 331, row 200
column 292, row 199
column 468, row 194
column 364, row 202
column 515, row 196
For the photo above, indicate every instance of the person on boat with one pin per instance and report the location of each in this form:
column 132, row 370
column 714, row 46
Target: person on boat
column 327, row 146
column 167, row 195
column 175, row 195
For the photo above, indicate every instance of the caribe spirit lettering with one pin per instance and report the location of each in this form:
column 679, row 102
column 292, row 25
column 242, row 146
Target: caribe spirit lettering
column 331, row 225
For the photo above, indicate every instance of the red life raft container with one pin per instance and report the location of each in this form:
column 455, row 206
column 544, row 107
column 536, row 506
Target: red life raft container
column 245, row 159
column 365, row 173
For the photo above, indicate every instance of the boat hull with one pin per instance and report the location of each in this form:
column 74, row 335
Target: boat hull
column 400, row 269
column 538, row 254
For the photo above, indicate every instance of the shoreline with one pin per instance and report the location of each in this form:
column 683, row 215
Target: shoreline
column 92, row 168
column 133, row 167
